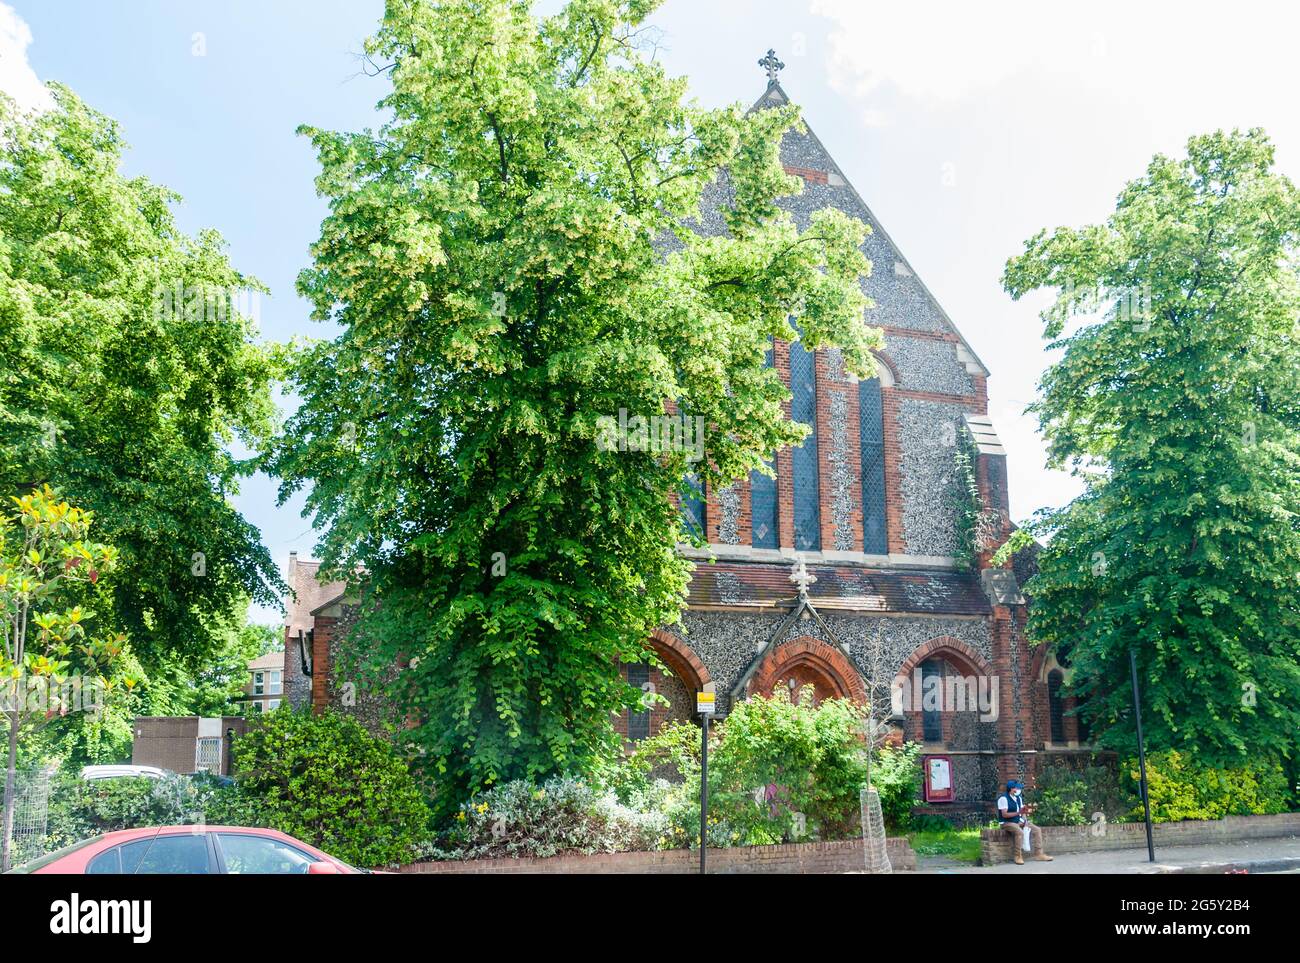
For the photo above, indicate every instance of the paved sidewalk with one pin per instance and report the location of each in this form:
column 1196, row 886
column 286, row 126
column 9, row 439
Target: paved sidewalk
column 1256, row 855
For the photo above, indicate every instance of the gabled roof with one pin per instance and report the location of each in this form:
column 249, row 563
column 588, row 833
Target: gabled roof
column 337, row 599
column 775, row 96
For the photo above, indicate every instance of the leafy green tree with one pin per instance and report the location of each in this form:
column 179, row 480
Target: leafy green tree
column 49, row 665
column 126, row 371
column 510, row 262
column 216, row 688
column 1177, row 397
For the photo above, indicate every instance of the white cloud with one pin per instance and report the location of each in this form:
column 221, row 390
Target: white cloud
column 948, row 51
column 17, row 79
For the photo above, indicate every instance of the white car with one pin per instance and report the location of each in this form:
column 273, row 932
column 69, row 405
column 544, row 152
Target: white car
column 92, row 773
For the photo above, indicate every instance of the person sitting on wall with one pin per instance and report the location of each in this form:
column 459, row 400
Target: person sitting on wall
column 1013, row 814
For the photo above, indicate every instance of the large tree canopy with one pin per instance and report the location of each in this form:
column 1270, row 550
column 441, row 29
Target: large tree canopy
column 1181, row 402
column 125, row 373
column 509, row 259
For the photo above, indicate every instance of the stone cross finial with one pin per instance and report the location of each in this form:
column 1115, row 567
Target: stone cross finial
column 802, row 578
column 772, row 66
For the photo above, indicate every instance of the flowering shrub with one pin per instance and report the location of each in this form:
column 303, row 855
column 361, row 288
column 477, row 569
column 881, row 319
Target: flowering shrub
column 779, row 771
column 562, row 815
column 786, row 771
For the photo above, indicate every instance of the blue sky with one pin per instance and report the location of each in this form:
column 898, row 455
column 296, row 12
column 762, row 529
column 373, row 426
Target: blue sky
column 966, row 127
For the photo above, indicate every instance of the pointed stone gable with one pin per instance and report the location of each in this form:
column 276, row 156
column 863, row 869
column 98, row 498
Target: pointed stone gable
column 921, row 339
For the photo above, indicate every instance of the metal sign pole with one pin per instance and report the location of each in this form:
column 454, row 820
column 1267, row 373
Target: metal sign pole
column 1142, row 755
column 704, row 793
column 705, row 704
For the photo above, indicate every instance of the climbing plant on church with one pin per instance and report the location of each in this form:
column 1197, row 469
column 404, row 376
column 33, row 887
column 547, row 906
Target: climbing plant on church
column 1178, row 397
column 976, row 525
column 509, row 262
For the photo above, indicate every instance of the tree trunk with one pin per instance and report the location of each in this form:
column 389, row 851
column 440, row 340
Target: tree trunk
column 10, row 791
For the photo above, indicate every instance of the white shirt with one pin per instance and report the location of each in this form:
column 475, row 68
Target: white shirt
column 1004, row 805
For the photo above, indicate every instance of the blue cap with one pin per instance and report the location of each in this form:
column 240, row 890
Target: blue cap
column 1015, row 784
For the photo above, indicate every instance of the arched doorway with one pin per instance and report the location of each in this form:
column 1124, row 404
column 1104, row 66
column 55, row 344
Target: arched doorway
column 806, row 661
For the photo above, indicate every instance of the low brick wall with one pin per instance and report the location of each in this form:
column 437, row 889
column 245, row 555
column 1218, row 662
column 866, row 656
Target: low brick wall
column 995, row 845
column 837, row 857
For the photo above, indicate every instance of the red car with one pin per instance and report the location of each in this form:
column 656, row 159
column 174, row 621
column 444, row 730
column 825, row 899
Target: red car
column 189, row 850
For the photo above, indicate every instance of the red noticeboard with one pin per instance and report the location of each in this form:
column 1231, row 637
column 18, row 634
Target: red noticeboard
column 938, row 779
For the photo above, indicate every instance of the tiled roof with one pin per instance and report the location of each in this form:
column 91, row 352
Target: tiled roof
column 272, row 660
column 842, row 587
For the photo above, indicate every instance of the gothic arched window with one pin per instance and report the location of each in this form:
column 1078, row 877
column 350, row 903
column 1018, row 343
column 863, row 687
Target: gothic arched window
column 762, row 498
column 1056, row 705
column 638, row 723
column 871, row 414
column 803, row 408
column 931, row 700
column 693, row 506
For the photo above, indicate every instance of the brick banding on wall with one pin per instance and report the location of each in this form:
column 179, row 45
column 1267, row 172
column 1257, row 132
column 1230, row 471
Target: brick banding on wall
column 808, row 174
column 975, row 403
column 918, row 335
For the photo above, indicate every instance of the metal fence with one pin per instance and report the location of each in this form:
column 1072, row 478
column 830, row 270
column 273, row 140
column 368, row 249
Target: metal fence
column 31, row 814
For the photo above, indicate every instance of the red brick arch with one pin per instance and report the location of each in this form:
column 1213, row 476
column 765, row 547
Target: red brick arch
column 678, row 657
column 816, row 656
column 1038, row 664
column 887, row 371
column 964, row 656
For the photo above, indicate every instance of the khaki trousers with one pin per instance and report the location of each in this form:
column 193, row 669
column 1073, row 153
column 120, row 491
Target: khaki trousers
column 1014, row 830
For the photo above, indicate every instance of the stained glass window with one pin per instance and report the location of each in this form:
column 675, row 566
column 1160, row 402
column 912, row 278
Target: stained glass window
column 931, row 696
column 803, row 408
column 1056, row 706
column 871, row 417
column 762, row 499
column 693, row 507
column 638, row 723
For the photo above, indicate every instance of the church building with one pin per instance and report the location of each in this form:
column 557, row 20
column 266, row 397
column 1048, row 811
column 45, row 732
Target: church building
column 857, row 570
